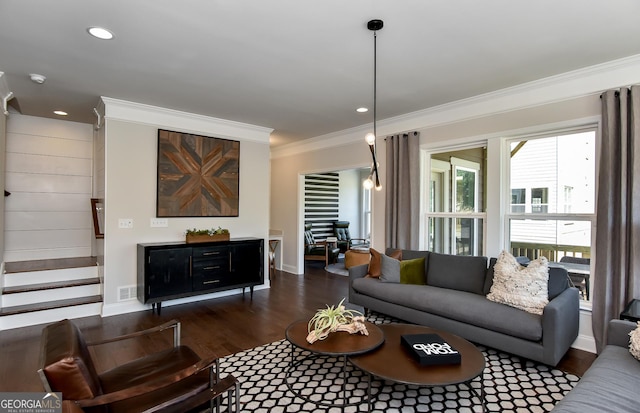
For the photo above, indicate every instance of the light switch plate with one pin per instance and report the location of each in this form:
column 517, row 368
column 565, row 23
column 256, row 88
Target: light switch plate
column 159, row 223
column 125, row 223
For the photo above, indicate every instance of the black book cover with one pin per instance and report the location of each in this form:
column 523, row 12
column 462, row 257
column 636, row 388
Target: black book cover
column 430, row 349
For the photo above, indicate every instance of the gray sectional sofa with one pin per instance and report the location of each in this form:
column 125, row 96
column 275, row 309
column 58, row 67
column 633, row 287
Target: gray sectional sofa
column 612, row 383
column 454, row 300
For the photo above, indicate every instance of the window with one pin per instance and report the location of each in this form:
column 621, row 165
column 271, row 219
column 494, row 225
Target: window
column 455, row 217
column 539, row 200
column 552, row 210
column 518, row 200
column 366, row 211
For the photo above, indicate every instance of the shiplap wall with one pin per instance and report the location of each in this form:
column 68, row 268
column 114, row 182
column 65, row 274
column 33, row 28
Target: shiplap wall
column 321, row 203
column 49, row 175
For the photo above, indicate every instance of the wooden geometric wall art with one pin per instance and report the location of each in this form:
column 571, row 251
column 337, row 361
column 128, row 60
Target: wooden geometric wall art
column 198, row 176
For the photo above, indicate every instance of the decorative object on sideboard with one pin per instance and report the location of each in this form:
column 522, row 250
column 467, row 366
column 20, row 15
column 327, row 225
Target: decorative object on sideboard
column 332, row 319
column 206, row 235
column 374, row 179
column 198, row 176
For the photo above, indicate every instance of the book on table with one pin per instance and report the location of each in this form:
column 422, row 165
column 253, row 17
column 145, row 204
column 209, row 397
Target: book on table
column 430, row 349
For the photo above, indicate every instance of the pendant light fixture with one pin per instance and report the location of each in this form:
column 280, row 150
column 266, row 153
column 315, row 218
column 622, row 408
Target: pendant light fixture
column 373, row 179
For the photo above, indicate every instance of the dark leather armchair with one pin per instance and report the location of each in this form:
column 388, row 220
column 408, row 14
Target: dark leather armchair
column 319, row 251
column 345, row 242
column 172, row 380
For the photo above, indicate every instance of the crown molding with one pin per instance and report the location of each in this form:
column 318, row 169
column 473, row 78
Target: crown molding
column 115, row 109
column 553, row 89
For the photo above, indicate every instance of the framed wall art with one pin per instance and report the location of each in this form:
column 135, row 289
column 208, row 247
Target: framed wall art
column 198, row 176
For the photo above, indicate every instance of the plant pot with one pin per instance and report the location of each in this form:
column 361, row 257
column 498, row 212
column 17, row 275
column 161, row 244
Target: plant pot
column 196, row 238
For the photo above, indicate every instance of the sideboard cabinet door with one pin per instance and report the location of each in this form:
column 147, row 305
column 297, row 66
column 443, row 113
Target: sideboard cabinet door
column 246, row 263
column 168, row 272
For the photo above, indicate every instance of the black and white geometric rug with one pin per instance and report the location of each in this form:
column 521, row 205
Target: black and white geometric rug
column 508, row 386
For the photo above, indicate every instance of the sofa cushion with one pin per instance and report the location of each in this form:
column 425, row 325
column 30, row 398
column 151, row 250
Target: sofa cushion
column 457, row 272
column 375, row 264
column 390, row 269
column 405, row 271
column 558, row 279
column 488, row 282
column 412, row 271
column 461, row 306
column 521, row 287
column 610, row 385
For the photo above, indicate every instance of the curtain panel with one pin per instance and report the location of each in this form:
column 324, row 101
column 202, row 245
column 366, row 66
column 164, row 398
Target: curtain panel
column 617, row 261
column 402, row 199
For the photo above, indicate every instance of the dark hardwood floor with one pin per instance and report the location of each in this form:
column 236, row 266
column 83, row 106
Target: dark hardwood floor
column 220, row 327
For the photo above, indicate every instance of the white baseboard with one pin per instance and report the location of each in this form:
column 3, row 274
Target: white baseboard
column 585, row 342
column 132, row 306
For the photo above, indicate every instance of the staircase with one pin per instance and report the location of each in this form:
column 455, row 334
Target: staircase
column 44, row 291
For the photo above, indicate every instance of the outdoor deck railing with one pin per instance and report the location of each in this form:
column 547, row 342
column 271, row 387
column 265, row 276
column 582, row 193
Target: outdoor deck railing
column 553, row 252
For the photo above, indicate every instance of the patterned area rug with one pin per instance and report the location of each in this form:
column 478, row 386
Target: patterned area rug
column 509, row 386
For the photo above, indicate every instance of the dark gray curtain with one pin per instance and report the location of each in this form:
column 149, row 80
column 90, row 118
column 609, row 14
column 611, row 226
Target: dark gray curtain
column 402, row 201
column 617, row 260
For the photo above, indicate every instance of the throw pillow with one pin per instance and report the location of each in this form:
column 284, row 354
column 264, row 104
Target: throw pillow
column 375, row 263
column 412, row 271
column 520, row 287
column 390, row 269
column 634, row 342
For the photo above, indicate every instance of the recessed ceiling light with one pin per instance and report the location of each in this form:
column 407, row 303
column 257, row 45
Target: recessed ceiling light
column 100, row 33
column 36, row 78
column 362, row 110
column 60, row 112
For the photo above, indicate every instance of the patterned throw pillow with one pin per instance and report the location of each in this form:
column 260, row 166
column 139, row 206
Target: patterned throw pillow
column 525, row 288
column 634, row 342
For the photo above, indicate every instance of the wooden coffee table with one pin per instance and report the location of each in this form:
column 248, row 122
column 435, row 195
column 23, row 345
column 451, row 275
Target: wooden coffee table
column 392, row 362
column 340, row 344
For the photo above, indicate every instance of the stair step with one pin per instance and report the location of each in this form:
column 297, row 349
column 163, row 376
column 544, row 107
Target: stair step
column 50, row 286
column 21, row 309
column 49, row 264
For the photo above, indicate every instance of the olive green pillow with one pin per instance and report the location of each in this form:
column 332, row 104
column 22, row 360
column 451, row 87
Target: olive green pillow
column 412, row 271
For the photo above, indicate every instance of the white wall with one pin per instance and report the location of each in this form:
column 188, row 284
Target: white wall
column 48, row 172
column 130, row 188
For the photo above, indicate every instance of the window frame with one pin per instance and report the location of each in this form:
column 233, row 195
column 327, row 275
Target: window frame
column 427, row 214
column 508, row 215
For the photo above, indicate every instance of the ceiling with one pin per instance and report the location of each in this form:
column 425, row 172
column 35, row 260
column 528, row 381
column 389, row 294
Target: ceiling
column 299, row 67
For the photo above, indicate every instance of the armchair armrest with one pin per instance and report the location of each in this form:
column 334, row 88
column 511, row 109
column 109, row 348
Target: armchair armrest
column 358, row 271
column 175, row 324
column 618, row 332
column 560, row 324
column 152, row 385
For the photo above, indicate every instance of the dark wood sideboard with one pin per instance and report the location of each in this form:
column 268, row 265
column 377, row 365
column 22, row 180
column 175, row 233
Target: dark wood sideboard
column 168, row 271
